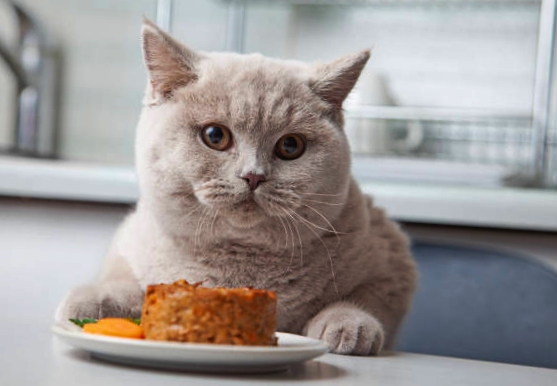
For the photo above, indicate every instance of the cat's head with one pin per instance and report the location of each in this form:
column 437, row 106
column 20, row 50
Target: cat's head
column 250, row 136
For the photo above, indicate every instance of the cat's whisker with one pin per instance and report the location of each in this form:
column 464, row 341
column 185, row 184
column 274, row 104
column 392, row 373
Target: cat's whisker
column 200, row 224
column 333, row 276
column 195, row 234
column 299, row 237
column 285, row 233
column 277, row 207
column 207, row 221
column 313, row 224
column 292, row 237
column 199, row 207
column 197, row 231
column 326, row 220
column 213, row 222
column 323, row 202
column 322, row 194
column 287, row 270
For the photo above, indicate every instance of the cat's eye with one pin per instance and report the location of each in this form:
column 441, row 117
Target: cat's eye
column 217, row 137
column 290, row 146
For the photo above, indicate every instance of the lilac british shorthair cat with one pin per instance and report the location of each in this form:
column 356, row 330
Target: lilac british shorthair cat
column 244, row 175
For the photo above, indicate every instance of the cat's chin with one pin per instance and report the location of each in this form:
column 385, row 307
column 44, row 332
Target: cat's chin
column 244, row 221
column 245, row 215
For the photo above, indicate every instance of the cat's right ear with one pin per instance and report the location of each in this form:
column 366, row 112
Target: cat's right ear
column 170, row 64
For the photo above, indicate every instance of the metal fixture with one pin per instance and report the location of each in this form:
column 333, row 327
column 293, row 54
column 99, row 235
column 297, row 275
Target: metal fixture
column 542, row 91
column 164, row 14
column 35, row 65
column 434, row 113
column 235, row 27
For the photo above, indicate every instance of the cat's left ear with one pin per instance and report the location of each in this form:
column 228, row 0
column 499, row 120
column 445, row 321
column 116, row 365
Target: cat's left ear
column 170, row 63
column 333, row 81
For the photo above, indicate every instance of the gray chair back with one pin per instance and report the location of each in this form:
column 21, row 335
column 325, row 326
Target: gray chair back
column 482, row 304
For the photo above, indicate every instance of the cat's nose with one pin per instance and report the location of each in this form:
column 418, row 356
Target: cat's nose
column 253, row 179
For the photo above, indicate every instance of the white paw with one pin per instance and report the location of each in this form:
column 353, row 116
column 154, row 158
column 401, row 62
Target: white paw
column 93, row 301
column 347, row 330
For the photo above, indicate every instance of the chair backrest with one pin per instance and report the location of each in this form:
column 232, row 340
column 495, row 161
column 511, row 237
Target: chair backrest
column 482, row 304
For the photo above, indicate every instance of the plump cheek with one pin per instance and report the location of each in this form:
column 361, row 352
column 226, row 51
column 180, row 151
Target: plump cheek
column 336, row 155
column 329, row 172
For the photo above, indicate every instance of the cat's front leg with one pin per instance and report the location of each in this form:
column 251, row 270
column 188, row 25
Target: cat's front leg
column 106, row 299
column 347, row 329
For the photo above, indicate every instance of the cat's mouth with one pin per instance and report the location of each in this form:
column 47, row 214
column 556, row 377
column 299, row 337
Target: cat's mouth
column 249, row 204
column 247, row 208
column 245, row 213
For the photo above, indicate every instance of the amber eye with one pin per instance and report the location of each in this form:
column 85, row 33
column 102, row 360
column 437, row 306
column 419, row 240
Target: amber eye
column 290, row 146
column 217, row 137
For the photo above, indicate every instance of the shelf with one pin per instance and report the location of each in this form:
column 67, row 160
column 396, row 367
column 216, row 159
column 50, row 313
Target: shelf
column 471, row 206
column 435, row 114
column 437, row 203
column 65, row 180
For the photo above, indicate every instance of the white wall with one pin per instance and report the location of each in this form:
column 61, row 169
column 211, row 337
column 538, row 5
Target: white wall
column 448, row 56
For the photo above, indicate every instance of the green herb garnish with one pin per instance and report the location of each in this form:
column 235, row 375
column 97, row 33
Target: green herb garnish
column 83, row 322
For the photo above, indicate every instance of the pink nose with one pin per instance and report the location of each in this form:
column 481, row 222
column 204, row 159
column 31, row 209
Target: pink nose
column 254, row 180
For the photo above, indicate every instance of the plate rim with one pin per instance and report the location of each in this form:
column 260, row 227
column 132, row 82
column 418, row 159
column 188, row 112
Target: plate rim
column 310, row 344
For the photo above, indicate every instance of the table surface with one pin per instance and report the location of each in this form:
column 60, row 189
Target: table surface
column 30, row 355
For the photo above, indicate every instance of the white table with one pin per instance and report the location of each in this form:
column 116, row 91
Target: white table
column 30, row 355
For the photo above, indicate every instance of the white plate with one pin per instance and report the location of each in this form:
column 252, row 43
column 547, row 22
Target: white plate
column 195, row 356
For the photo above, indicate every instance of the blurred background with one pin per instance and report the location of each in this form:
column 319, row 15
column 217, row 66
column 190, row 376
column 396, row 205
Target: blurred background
column 453, row 129
column 464, row 83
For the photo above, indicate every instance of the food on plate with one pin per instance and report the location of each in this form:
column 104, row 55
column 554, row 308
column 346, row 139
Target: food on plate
column 190, row 313
column 83, row 322
column 123, row 328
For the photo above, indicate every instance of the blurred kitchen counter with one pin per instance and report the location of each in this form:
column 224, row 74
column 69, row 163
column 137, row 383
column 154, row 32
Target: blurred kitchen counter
column 487, row 206
column 39, row 359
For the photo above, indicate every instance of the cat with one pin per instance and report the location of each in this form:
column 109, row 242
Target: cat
column 244, row 176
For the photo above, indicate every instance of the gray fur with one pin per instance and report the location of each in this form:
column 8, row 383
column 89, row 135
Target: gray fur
column 342, row 270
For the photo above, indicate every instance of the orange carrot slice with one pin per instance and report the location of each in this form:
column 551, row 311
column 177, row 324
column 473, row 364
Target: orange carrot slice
column 122, row 328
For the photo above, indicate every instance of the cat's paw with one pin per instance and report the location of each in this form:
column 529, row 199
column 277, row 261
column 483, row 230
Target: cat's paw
column 101, row 301
column 347, row 330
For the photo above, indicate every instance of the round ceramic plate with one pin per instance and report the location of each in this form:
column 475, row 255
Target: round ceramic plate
column 195, row 356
